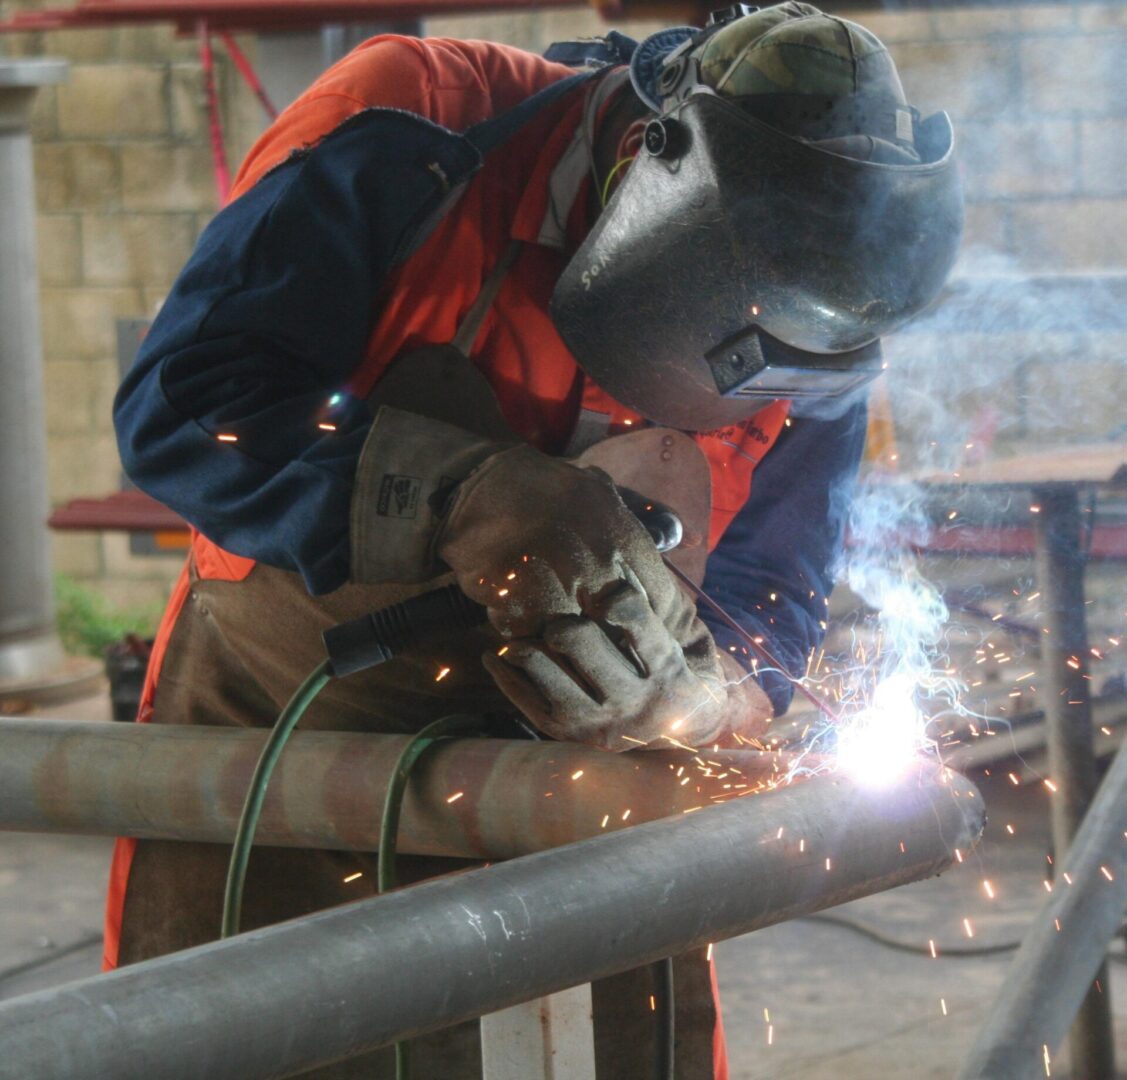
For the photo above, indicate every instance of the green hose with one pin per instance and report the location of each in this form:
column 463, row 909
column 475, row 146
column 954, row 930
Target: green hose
column 256, row 794
column 389, row 827
column 444, row 727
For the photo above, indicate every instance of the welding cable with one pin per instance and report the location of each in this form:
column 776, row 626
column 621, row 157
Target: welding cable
column 381, row 638
column 953, row 952
column 256, row 794
column 443, row 728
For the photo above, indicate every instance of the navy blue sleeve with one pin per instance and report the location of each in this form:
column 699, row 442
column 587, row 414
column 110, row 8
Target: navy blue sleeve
column 218, row 417
column 772, row 568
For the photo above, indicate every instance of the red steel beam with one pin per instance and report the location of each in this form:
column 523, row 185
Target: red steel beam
column 252, row 14
column 123, row 511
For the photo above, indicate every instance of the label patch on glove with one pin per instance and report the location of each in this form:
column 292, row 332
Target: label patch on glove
column 399, row 496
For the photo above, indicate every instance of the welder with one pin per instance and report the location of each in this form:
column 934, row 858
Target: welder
column 462, row 295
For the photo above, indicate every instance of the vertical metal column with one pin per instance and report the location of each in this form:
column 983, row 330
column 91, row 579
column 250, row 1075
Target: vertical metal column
column 28, row 644
column 1068, row 711
column 289, row 60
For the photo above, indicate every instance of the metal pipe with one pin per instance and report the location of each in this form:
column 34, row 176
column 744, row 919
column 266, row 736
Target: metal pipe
column 28, row 645
column 1062, row 952
column 1068, row 710
column 277, row 1001
column 181, row 782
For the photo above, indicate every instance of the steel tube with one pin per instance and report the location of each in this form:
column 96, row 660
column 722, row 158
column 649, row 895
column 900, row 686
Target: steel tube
column 181, row 782
column 1068, row 710
column 276, row 1001
column 1065, row 946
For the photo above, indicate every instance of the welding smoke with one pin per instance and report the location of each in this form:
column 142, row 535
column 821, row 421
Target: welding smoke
column 885, row 519
column 966, row 387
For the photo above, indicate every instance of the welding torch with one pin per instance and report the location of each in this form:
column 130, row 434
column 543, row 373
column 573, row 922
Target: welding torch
column 380, row 635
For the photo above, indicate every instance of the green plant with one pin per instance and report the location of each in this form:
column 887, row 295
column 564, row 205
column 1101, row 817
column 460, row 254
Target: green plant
column 88, row 623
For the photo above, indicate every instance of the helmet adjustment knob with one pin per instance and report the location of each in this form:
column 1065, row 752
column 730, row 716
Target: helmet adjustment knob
column 664, row 138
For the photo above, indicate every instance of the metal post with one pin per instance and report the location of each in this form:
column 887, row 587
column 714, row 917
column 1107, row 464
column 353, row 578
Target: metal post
column 511, row 797
column 1068, row 709
column 313, row 990
column 28, row 644
column 289, row 60
column 1064, row 947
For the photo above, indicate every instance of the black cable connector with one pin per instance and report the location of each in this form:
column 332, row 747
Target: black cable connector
column 378, row 636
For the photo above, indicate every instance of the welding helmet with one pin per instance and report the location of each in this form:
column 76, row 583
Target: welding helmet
column 787, row 209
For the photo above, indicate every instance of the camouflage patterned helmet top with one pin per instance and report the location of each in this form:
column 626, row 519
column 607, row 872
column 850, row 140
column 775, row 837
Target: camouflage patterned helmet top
column 792, row 47
column 790, row 208
column 813, row 75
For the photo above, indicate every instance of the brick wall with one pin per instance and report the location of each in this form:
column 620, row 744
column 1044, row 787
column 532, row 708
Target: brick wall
column 124, row 185
column 124, row 181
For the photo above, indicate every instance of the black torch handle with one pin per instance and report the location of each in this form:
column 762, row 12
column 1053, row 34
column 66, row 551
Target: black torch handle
column 378, row 636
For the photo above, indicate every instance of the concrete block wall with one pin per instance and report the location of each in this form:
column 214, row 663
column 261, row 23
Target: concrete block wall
column 124, row 186
column 1036, row 93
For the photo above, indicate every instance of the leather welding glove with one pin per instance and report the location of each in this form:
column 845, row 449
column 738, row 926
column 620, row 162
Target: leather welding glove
column 527, row 535
column 533, row 537
column 555, row 556
column 607, row 649
column 621, row 675
column 408, row 470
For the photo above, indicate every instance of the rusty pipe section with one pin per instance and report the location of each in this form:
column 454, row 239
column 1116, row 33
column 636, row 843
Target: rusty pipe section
column 286, row 999
column 473, row 798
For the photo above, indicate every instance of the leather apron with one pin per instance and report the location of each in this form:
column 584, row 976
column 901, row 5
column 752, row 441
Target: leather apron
column 240, row 648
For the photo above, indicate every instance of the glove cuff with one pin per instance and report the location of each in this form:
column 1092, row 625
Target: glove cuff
column 408, row 470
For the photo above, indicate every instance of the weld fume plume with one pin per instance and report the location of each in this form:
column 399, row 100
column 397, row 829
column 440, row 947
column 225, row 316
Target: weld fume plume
column 967, row 386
